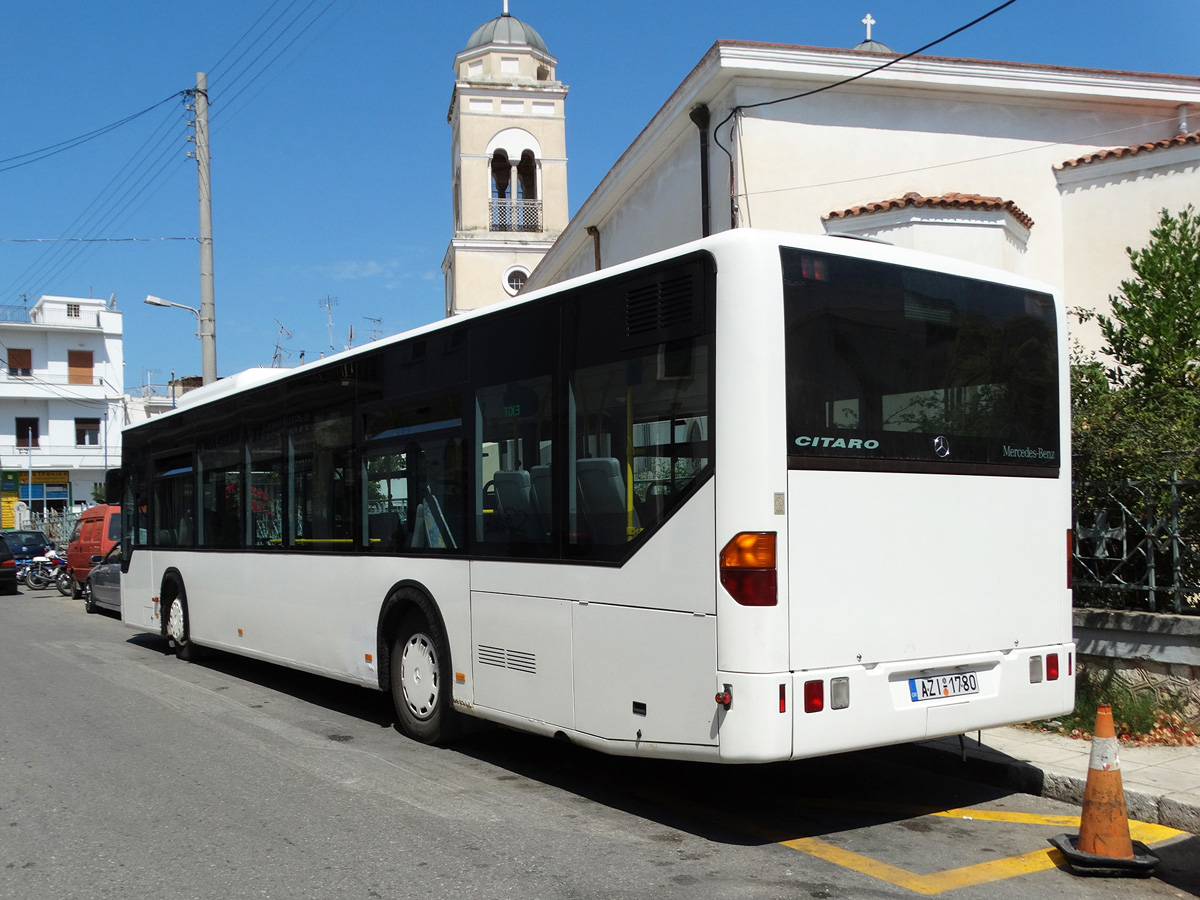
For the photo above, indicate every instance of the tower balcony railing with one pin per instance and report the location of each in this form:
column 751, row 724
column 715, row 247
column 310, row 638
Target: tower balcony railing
column 516, row 215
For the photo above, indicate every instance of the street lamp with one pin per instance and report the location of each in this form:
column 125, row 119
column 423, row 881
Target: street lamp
column 208, row 339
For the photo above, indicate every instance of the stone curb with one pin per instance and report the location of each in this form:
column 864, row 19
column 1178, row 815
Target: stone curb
column 1028, row 778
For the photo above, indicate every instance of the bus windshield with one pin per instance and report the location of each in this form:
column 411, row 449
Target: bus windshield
column 901, row 369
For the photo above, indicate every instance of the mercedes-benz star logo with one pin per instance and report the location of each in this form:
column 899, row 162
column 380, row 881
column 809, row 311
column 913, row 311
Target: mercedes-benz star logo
column 941, row 446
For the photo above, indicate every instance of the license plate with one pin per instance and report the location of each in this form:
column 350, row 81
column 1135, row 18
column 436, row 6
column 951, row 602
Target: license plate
column 936, row 686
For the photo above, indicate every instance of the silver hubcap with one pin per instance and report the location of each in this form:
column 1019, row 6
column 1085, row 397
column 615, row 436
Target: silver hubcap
column 419, row 676
column 175, row 621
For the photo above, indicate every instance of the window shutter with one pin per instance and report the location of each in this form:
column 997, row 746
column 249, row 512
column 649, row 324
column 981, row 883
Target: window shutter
column 79, row 367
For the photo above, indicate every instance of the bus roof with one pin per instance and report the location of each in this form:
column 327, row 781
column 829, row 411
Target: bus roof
column 845, row 245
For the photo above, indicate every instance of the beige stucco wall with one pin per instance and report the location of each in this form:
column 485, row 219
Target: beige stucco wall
column 1111, row 205
column 478, row 271
column 798, row 161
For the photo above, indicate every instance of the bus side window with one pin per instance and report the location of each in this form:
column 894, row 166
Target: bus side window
column 514, row 509
column 221, row 492
column 641, row 440
column 174, row 503
column 413, row 476
column 321, row 498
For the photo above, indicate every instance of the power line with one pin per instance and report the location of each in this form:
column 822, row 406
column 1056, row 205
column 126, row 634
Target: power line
column 71, row 143
column 51, row 262
column 737, row 110
column 90, row 240
column 146, row 170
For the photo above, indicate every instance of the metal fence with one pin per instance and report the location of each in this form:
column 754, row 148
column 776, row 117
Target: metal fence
column 57, row 526
column 1137, row 545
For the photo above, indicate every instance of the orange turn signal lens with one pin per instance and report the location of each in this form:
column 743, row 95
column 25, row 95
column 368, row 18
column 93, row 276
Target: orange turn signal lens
column 750, row 550
column 748, row 568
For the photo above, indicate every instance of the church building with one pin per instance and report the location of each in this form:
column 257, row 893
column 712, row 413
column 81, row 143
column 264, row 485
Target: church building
column 1042, row 170
column 508, row 147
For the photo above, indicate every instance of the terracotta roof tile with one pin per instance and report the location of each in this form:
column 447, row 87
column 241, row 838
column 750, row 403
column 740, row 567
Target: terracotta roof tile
column 945, row 201
column 1119, row 153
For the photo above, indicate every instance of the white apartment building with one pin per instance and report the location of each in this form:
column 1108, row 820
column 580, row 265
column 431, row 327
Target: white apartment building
column 61, row 401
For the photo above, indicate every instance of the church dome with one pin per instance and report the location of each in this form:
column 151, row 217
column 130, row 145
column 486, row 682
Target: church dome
column 873, row 47
column 507, row 30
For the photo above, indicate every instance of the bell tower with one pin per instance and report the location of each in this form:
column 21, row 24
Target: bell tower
column 509, row 159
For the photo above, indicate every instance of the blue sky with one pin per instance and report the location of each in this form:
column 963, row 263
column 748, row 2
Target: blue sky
column 330, row 148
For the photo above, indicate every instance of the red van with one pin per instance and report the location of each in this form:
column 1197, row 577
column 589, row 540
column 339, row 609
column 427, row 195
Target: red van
column 96, row 532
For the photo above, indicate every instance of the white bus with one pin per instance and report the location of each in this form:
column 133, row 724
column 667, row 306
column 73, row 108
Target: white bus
column 762, row 497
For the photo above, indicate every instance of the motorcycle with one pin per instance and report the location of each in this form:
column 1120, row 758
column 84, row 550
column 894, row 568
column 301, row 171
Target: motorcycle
column 44, row 570
column 64, row 580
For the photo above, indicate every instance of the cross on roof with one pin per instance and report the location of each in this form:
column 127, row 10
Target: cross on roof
column 868, row 21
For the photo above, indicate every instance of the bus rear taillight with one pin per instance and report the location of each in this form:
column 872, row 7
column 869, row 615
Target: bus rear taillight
column 748, row 568
column 1052, row 667
column 814, row 696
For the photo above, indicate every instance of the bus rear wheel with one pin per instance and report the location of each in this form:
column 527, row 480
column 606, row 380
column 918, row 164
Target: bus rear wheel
column 420, row 668
column 177, row 627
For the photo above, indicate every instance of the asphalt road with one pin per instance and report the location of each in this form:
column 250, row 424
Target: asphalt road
column 126, row 773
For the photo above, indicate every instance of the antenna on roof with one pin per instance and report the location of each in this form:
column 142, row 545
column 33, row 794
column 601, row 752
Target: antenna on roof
column 328, row 304
column 280, row 353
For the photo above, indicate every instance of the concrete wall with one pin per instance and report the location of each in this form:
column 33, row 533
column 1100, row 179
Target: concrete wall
column 1151, row 651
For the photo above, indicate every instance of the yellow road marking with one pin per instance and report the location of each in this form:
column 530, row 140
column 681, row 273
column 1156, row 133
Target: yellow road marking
column 981, row 873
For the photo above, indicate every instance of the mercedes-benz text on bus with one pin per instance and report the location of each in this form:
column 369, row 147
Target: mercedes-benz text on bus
column 762, row 497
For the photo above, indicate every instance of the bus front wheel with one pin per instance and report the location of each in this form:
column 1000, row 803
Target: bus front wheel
column 420, row 668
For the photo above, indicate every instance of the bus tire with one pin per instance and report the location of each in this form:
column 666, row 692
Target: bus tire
column 421, row 680
column 178, row 628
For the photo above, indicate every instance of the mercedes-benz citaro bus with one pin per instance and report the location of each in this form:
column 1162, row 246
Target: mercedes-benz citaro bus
column 760, row 497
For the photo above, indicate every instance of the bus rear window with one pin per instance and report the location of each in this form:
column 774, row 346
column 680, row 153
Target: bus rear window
column 898, row 369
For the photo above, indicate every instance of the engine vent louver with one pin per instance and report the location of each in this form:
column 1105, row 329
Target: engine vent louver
column 665, row 305
column 517, row 660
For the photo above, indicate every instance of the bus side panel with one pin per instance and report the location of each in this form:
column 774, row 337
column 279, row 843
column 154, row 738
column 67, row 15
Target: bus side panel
column 267, row 606
column 674, row 570
column 645, row 675
column 751, row 432
column 139, row 593
column 522, row 662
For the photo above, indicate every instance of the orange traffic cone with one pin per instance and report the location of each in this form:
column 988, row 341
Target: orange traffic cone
column 1103, row 846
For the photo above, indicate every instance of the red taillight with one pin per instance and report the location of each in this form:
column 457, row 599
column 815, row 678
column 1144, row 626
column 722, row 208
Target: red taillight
column 1052, row 667
column 814, row 696
column 748, row 569
column 8, row 563
column 1070, row 556
column 783, row 698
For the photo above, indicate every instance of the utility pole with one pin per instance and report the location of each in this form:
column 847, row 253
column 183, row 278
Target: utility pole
column 208, row 313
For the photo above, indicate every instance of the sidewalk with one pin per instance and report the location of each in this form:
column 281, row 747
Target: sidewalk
column 1162, row 784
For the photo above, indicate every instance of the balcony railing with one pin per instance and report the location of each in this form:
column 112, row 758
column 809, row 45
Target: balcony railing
column 516, row 215
column 37, row 379
column 25, row 315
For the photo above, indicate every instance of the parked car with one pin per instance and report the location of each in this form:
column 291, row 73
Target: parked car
column 26, row 544
column 102, row 589
column 96, row 532
column 8, row 570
